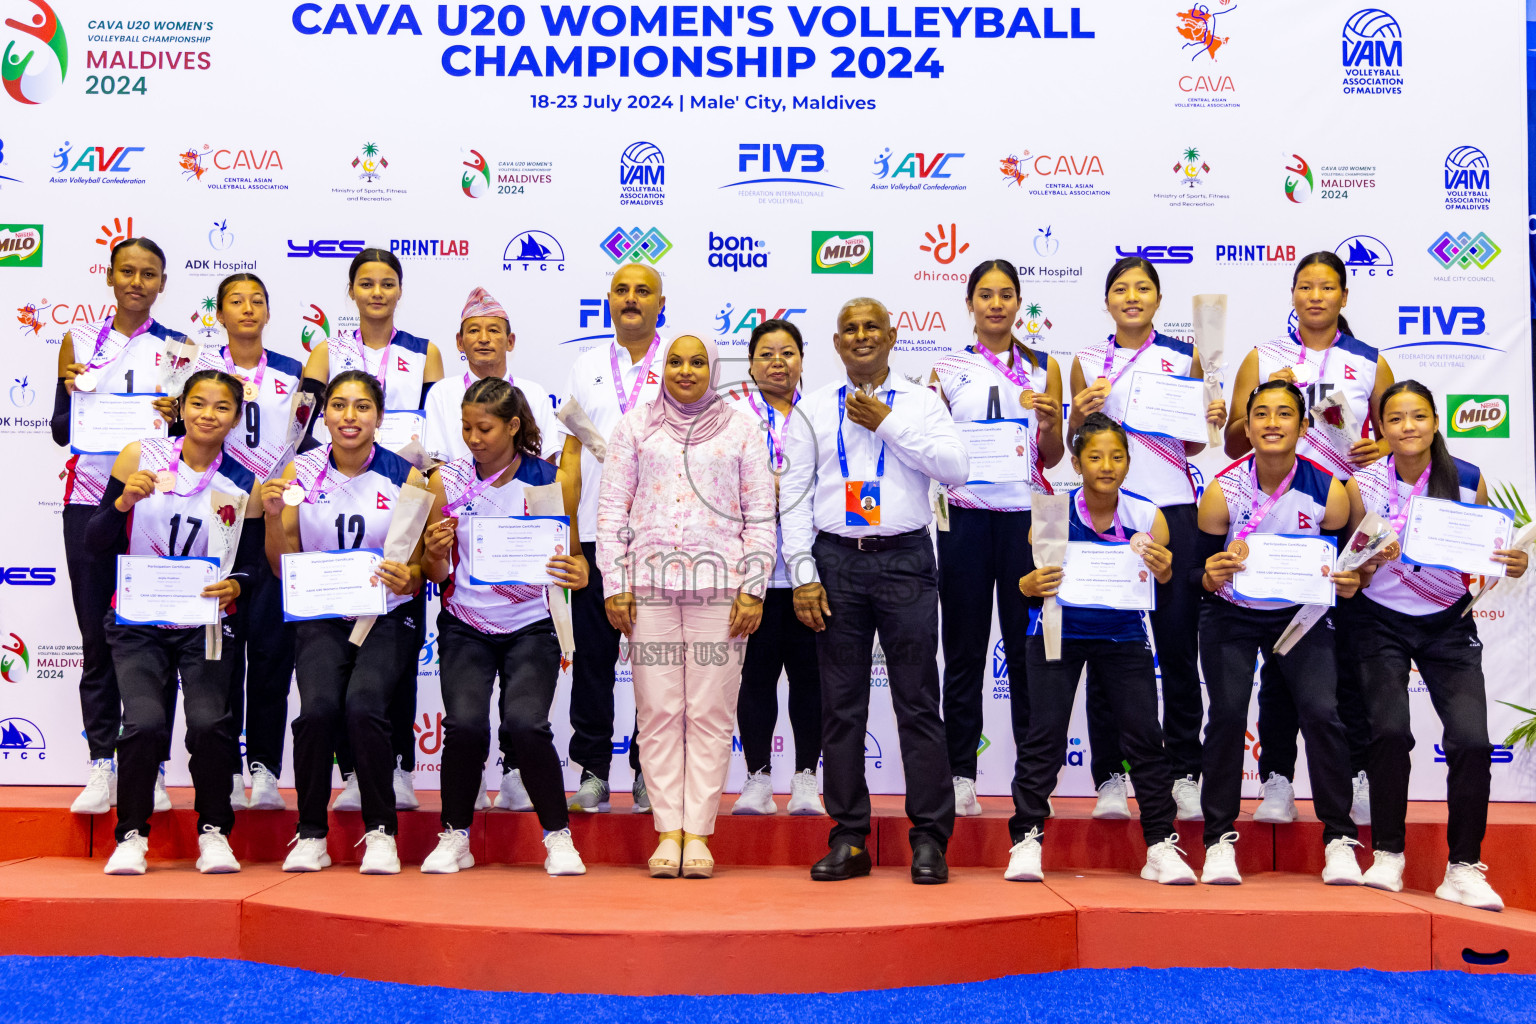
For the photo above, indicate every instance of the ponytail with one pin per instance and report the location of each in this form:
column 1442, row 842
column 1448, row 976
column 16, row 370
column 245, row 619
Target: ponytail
column 1444, row 478
column 1344, row 326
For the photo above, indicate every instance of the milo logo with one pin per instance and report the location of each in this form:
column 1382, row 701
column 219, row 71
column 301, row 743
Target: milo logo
column 1479, row 415
column 835, row 252
column 21, row 245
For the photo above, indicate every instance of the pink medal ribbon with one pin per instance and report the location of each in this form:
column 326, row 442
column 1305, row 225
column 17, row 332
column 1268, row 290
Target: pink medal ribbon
column 103, row 356
column 1398, row 519
column 1260, row 511
column 1013, row 375
column 468, row 380
column 1322, row 367
column 775, row 446
column 362, row 357
column 1118, row 531
column 618, row 378
column 253, row 385
column 174, row 470
column 477, row 488
column 1109, row 357
column 315, row 488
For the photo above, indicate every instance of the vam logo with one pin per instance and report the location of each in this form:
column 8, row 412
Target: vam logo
column 22, row 740
column 636, row 245
column 737, row 252
column 1464, row 251
column 100, row 159
column 999, row 663
column 1372, row 54
column 15, row 660
column 31, row 74
column 1478, row 415
column 642, row 175
column 21, row 245
column 1365, row 254
column 1298, row 180
column 842, row 252
column 475, row 182
column 534, row 249
column 1468, row 180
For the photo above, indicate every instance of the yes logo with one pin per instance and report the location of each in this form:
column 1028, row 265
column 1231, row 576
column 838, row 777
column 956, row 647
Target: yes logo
column 1478, row 415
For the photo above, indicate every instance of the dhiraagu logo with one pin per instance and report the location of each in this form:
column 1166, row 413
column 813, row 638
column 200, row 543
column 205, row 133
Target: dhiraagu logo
column 842, row 252
column 1478, row 415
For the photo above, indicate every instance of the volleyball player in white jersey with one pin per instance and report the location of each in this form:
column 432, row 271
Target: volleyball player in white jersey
column 406, row 367
column 781, row 643
column 997, row 377
column 1102, row 376
column 346, row 494
column 261, row 662
column 490, row 630
column 119, row 354
column 1320, row 356
column 1271, row 491
column 162, row 498
column 1416, row 614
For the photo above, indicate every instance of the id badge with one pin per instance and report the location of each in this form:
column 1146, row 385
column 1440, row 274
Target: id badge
column 863, row 502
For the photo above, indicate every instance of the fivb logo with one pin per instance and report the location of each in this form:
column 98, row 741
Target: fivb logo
column 1466, row 321
column 772, row 158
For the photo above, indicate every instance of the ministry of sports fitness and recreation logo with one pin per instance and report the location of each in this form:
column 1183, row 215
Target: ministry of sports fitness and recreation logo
column 1365, row 256
column 21, row 245
column 1464, row 251
column 642, row 175
column 1189, row 167
column 204, row 319
column 1372, row 53
column 369, row 163
column 1468, row 179
column 15, row 660
column 634, row 245
column 534, row 249
column 32, row 73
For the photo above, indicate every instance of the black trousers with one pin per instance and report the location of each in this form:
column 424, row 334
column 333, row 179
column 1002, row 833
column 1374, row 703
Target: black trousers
column 1231, row 639
column 528, row 662
column 92, row 579
column 343, row 687
column 782, row 643
column 597, row 651
column 402, row 699
column 1449, row 655
column 261, row 667
column 982, row 551
column 1176, row 632
column 1124, row 670
column 149, row 660
column 893, row 593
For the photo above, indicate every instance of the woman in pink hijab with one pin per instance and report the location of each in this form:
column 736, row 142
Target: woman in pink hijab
column 685, row 541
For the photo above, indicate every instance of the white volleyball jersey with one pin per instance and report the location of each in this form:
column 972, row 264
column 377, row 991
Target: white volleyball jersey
column 345, row 513
column 758, row 408
column 1300, row 510
column 976, row 390
column 500, row 608
column 135, row 369
column 399, row 367
column 1411, row 589
column 177, row 523
column 1159, row 470
column 259, row 437
column 445, row 431
column 1349, row 365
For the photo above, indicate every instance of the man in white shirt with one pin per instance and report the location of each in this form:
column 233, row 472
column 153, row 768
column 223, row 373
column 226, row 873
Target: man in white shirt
column 606, row 382
column 854, row 502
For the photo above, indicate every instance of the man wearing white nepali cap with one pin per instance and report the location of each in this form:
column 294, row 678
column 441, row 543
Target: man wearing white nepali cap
column 485, row 340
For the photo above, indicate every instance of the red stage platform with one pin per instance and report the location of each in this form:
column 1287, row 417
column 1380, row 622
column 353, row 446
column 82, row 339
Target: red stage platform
column 760, row 925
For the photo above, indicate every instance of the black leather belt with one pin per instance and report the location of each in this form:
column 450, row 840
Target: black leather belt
column 887, row 543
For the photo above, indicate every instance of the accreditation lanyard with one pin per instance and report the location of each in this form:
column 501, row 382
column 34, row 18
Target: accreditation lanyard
column 253, row 385
column 174, row 469
column 1260, row 511
column 1117, row 532
column 1398, row 519
column 1109, row 357
column 468, row 380
column 479, row 487
column 315, row 490
column 103, row 355
column 1322, row 367
column 618, row 378
column 362, row 356
column 842, row 451
column 1013, row 375
column 775, row 444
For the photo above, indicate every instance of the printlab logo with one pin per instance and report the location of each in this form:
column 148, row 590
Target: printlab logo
column 1372, row 50
column 1464, row 251
column 22, row 394
column 534, row 249
column 1190, row 166
column 1298, row 180
column 634, row 245
column 1478, row 415
column 842, row 252
column 1363, row 254
column 22, row 738
column 1197, row 27
column 32, row 77
column 21, row 245
column 915, row 171
column 737, row 252
column 1468, row 181
column 642, row 175
column 369, row 163
column 15, row 660
column 475, row 181
column 944, row 248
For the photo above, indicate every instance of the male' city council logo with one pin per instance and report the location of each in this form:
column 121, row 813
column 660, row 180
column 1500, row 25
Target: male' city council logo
column 1463, row 250
column 28, row 81
column 635, row 245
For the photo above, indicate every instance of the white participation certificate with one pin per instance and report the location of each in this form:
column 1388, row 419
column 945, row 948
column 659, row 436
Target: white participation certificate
column 400, row 427
column 166, row 591
column 1287, row 567
column 332, row 585
column 1160, row 403
column 1443, row 534
column 106, row 424
column 1105, row 574
column 514, row 549
column 999, row 450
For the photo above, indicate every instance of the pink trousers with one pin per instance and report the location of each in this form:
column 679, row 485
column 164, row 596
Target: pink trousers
column 687, row 676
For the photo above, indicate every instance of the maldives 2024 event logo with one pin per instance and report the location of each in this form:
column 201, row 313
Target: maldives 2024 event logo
column 33, row 73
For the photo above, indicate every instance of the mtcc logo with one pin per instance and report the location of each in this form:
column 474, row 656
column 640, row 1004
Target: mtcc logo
column 31, row 73
column 635, row 245
column 1363, row 254
column 21, row 740
column 1464, row 251
column 534, row 249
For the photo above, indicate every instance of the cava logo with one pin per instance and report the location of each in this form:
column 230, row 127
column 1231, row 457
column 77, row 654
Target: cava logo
column 476, row 179
column 1478, row 415
column 1197, row 27
column 1372, row 53
column 33, row 73
column 1298, row 181
column 15, row 660
column 1464, row 251
column 21, row 245
column 834, row 252
column 316, row 328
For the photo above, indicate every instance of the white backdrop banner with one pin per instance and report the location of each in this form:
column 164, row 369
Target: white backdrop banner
column 534, row 148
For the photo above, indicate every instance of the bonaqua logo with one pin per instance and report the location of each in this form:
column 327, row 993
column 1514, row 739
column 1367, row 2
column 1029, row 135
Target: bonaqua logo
column 476, row 179
column 28, row 76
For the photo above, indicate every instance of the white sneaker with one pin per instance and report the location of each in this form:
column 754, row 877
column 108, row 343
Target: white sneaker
column 350, row 798
column 130, row 857
column 264, row 794
column 162, row 798
column 642, row 796
column 1360, row 807
column 452, row 854
column 1186, row 795
column 756, row 795
column 513, row 795
column 591, row 797
column 1339, row 865
column 1112, row 805
column 804, row 797
column 562, row 858
column 381, row 857
column 1165, row 864
column 966, row 804
column 100, row 791
column 1386, row 873
column 214, row 857
column 1221, row 862
column 237, row 801
column 482, row 799
column 1277, row 804
column 307, row 855
column 1024, row 859
column 1465, row 884
column 405, row 788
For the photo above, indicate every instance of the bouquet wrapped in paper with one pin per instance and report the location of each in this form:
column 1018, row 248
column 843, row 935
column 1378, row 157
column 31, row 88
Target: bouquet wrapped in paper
column 1333, row 416
column 300, row 411
column 1049, row 545
column 580, row 424
column 228, row 520
column 1210, row 320
column 177, row 364
column 405, row 525
column 1373, row 535
column 549, row 500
